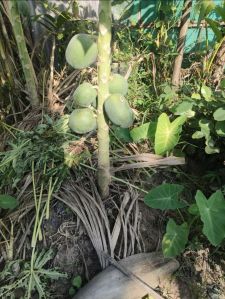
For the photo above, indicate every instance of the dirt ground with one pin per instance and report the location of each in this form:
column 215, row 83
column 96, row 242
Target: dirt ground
column 199, row 276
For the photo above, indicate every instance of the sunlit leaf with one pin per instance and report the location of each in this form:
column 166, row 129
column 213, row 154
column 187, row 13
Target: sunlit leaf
column 198, row 135
column 167, row 133
column 196, row 96
column 175, row 239
column 219, row 114
column 206, row 92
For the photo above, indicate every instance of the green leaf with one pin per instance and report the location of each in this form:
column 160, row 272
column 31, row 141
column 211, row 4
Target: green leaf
column 210, row 146
column 165, row 197
column 219, row 114
column 122, row 134
column 221, row 12
column 52, row 274
column 220, row 128
column 8, row 202
column 196, row 96
column 175, row 239
column 77, row 281
column 198, row 135
column 206, row 126
column 206, row 6
column 212, row 213
column 215, row 27
column 222, row 84
column 38, row 285
column 167, row 134
column 72, row 291
column 211, row 150
column 206, row 92
column 140, row 133
column 145, row 131
column 193, row 209
column 184, row 108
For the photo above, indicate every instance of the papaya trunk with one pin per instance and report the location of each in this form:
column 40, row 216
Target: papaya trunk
column 25, row 60
column 104, row 61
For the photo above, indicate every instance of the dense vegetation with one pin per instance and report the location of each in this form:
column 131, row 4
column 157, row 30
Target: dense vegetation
column 105, row 107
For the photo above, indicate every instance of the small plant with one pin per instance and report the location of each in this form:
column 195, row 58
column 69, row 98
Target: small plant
column 76, row 283
column 8, row 202
column 17, row 275
column 205, row 112
column 209, row 212
column 163, row 133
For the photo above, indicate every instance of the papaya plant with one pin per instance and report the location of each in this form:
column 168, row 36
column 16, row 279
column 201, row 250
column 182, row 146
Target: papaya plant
column 96, row 107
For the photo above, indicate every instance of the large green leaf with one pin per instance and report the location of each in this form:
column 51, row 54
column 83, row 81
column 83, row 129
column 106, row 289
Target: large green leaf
column 175, row 239
column 219, row 114
column 167, row 134
column 212, row 213
column 8, row 202
column 165, row 197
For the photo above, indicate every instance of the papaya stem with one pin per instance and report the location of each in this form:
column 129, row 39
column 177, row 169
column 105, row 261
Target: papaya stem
column 104, row 69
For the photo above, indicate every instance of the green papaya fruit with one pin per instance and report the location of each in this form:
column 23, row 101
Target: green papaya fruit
column 85, row 95
column 82, row 121
column 82, row 51
column 118, row 84
column 119, row 111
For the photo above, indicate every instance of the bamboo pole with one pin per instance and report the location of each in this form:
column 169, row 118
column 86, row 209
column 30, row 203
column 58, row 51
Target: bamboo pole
column 104, row 62
column 185, row 20
column 28, row 70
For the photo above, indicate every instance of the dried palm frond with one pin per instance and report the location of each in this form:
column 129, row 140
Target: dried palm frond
column 118, row 238
column 147, row 160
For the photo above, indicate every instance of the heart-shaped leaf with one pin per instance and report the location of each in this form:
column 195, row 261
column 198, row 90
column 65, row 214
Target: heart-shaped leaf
column 184, row 108
column 212, row 213
column 219, row 114
column 175, row 239
column 165, row 197
column 144, row 131
column 167, row 134
column 122, row 134
column 8, row 202
column 206, row 92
